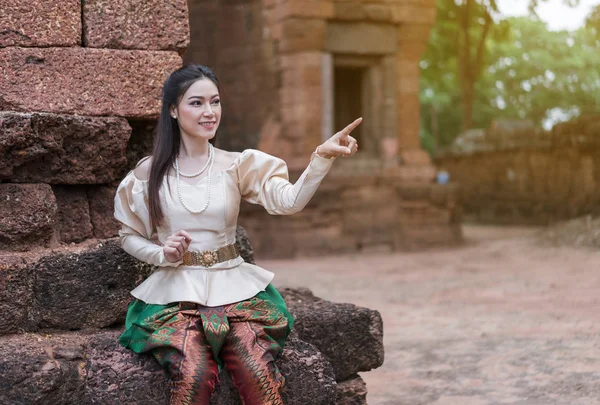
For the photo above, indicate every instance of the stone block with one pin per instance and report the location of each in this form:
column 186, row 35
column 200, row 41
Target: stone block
column 61, row 149
column 300, row 120
column 299, row 78
column 421, row 213
column 414, row 191
column 130, row 24
column 15, row 293
column 415, row 157
column 84, row 81
column 118, row 376
column 415, row 33
column 42, row 369
column 378, row 12
column 101, row 202
column 352, row 391
column 301, row 61
column 303, row 9
column 140, row 143
column 74, row 368
column 361, row 38
column 84, row 286
column 367, row 197
column 40, row 23
column 411, row 14
column 302, row 35
column 349, row 11
column 244, row 245
column 28, row 216
column 342, row 332
column 73, row 219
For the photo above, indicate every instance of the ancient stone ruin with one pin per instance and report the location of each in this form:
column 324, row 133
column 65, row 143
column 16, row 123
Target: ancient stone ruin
column 297, row 71
column 526, row 175
column 79, row 94
column 63, row 310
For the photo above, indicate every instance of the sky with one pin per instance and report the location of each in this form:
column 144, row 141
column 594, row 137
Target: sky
column 554, row 12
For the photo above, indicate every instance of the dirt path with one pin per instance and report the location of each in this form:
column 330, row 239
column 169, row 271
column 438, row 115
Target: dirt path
column 501, row 320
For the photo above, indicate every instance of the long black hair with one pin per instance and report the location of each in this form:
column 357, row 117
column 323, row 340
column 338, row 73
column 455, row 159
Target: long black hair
column 167, row 137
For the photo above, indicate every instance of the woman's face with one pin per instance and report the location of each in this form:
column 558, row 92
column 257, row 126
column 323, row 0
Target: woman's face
column 199, row 111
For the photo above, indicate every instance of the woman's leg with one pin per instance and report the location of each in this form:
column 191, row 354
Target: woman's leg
column 251, row 348
column 182, row 349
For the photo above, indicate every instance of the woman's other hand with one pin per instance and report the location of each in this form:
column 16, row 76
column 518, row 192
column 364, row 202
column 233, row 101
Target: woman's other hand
column 340, row 144
column 176, row 245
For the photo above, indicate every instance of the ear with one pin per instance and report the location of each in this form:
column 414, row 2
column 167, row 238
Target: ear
column 172, row 111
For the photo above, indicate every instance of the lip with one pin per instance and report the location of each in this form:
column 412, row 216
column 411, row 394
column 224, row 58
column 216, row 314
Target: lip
column 212, row 124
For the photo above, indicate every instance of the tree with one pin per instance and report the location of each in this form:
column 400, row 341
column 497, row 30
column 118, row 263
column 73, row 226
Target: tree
column 475, row 20
column 528, row 72
column 537, row 71
column 593, row 20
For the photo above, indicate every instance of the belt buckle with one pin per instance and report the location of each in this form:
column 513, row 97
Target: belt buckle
column 208, row 258
column 187, row 305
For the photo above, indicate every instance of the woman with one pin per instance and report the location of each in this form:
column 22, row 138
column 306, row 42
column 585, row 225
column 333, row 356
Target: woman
column 204, row 307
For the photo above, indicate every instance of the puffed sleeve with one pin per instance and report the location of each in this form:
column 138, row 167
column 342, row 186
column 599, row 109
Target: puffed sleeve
column 264, row 179
column 136, row 235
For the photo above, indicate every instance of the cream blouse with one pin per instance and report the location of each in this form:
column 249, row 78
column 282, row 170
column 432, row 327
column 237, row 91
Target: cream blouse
column 255, row 176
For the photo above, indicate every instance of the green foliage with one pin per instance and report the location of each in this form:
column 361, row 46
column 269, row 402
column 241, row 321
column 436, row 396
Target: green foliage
column 593, row 20
column 526, row 72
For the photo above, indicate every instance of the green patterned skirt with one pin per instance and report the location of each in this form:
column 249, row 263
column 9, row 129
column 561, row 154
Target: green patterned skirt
column 152, row 326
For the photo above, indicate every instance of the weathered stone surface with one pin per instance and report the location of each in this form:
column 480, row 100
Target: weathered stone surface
column 101, row 201
column 61, row 149
column 244, row 245
column 73, row 368
column 40, row 23
column 352, row 391
column 84, row 287
column 15, row 292
column 40, row 370
column 73, row 217
column 525, row 176
column 140, row 143
column 362, row 38
column 351, row 337
column 84, row 81
column 117, row 376
column 27, row 215
column 131, row 24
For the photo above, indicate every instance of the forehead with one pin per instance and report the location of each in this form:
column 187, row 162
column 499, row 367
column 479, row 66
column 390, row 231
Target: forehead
column 203, row 87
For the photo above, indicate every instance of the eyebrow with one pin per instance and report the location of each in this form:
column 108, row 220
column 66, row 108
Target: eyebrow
column 202, row 98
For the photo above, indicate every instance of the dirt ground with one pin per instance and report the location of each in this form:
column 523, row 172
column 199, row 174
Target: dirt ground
column 501, row 320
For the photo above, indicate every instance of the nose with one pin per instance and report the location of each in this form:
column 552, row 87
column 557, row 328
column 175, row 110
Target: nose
column 208, row 111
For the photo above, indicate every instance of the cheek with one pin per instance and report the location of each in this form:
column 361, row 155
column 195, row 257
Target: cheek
column 189, row 111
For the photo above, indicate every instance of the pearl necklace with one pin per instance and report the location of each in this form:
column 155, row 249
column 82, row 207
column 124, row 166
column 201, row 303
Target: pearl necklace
column 209, row 163
column 176, row 165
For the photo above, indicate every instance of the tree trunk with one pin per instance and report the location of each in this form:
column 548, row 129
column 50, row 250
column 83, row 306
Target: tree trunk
column 468, row 94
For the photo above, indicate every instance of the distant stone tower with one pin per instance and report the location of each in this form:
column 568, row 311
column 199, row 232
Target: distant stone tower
column 296, row 71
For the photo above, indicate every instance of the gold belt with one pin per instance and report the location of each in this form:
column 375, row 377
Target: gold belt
column 208, row 258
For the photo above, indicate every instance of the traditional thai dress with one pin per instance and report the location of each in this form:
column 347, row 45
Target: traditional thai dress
column 195, row 319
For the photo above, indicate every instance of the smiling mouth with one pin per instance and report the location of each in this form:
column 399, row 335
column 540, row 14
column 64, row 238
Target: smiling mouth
column 208, row 124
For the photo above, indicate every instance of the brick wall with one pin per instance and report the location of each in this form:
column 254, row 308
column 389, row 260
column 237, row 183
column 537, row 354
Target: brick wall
column 229, row 37
column 363, row 214
column 74, row 81
column 530, row 178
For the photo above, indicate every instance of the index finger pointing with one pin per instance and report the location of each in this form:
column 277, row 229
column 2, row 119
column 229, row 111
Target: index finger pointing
column 350, row 128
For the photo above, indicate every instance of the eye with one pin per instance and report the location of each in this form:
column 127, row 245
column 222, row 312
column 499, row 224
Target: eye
column 195, row 102
column 216, row 102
